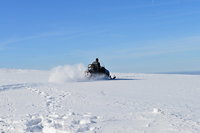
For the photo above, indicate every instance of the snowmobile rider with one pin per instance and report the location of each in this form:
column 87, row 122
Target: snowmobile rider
column 97, row 64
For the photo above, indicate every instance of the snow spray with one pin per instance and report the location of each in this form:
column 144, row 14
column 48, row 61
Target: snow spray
column 67, row 73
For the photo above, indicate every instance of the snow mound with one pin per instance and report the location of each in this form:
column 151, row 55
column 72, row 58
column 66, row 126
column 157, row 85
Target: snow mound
column 157, row 111
column 67, row 73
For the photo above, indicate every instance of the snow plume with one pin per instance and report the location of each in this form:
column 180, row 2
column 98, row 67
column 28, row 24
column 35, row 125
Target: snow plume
column 67, row 73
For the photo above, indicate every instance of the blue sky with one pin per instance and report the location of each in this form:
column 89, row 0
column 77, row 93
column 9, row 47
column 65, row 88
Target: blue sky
column 127, row 35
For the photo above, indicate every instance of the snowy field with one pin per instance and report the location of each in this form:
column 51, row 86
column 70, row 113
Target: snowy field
column 133, row 103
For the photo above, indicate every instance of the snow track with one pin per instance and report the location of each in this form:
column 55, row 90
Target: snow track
column 66, row 123
column 12, row 86
column 50, row 121
column 52, row 101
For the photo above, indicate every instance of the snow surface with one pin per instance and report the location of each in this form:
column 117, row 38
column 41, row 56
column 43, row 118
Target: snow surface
column 133, row 103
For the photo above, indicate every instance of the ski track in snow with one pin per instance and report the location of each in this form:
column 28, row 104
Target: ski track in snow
column 18, row 86
column 135, row 116
column 12, row 86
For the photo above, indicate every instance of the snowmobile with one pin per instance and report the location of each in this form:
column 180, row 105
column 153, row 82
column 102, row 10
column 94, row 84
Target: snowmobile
column 93, row 72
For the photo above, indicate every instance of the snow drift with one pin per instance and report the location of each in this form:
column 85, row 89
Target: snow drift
column 67, row 73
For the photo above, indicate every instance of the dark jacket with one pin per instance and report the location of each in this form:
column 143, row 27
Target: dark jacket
column 97, row 65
